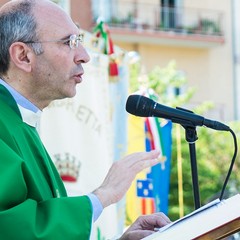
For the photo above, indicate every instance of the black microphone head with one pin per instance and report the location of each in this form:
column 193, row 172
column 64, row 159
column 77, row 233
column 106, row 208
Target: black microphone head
column 139, row 105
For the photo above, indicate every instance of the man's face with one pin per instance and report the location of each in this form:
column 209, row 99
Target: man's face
column 58, row 69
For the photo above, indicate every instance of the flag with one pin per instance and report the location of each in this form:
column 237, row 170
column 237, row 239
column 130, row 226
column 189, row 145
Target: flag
column 160, row 173
column 102, row 31
column 136, row 143
column 158, row 136
column 152, row 185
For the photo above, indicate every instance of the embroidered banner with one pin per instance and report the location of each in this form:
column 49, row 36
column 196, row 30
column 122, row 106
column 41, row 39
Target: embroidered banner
column 78, row 135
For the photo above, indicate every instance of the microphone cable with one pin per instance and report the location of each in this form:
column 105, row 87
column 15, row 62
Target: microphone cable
column 231, row 165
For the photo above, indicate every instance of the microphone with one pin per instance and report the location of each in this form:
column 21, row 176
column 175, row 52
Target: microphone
column 145, row 107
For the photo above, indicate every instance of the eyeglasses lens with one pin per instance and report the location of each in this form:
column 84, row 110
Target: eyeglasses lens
column 75, row 40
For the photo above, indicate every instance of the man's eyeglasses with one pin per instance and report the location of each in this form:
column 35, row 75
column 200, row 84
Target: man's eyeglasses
column 73, row 41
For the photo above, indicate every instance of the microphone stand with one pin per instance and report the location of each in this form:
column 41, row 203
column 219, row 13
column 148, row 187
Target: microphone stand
column 191, row 137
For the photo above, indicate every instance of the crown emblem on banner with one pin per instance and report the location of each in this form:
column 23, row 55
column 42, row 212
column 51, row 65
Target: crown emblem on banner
column 68, row 167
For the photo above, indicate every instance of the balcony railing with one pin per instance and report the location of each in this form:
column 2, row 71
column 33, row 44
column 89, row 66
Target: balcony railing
column 149, row 17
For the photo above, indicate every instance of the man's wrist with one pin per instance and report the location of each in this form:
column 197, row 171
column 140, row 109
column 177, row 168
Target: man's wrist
column 96, row 205
column 103, row 197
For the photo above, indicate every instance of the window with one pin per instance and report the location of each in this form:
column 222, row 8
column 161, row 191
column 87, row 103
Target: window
column 102, row 9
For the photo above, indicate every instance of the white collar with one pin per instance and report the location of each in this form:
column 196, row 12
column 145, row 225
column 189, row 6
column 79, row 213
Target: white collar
column 29, row 117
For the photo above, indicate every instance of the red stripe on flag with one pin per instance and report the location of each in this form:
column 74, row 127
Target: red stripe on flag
column 150, row 134
column 153, row 206
column 143, row 206
column 148, row 206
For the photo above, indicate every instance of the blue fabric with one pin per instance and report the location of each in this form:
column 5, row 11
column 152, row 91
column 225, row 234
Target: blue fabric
column 21, row 100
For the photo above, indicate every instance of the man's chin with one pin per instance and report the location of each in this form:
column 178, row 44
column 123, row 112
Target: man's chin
column 71, row 93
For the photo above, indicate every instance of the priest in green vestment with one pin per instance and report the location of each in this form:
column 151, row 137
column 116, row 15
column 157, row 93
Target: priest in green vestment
column 41, row 60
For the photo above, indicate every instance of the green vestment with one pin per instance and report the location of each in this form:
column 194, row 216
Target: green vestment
column 33, row 200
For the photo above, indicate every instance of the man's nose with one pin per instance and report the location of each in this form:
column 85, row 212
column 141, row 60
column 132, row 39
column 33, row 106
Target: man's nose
column 81, row 55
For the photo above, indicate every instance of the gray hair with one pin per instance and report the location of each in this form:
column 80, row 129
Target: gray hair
column 17, row 25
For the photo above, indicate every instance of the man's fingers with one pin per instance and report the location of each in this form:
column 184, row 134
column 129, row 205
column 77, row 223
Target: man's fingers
column 144, row 155
column 161, row 215
column 148, row 159
column 153, row 220
column 145, row 225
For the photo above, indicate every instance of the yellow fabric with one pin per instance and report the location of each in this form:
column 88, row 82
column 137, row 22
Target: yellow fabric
column 136, row 143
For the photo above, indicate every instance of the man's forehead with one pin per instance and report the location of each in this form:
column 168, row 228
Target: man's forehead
column 51, row 19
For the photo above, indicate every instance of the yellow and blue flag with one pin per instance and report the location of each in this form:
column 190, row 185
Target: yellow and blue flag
column 149, row 191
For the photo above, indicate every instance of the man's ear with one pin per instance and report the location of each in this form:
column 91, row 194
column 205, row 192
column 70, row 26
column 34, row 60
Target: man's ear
column 22, row 56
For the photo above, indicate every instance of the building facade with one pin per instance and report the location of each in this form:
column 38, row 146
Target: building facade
column 198, row 35
column 201, row 36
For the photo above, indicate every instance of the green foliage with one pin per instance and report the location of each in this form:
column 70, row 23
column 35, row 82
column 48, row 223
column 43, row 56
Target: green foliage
column 214, row 149
column 134, row 75
column 161, row 80
column 214, row 152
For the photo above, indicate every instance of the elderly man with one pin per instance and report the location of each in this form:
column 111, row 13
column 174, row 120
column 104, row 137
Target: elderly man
column 41, row 59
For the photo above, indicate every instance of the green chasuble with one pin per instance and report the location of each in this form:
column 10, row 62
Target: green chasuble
column 33, row 200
